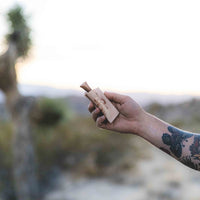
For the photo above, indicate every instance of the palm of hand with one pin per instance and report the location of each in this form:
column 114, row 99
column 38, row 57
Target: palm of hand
column 128, row 118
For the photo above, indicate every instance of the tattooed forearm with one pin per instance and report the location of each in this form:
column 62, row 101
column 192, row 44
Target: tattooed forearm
column 165, row 150
column 177, row 142
column 195, row 148
column 186, row 160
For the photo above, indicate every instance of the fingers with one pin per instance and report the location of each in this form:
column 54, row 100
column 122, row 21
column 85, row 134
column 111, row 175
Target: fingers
column 117, row 98
column 99, row 118
column 114, row 97
column 100, row 121
column 91, row 107
column 117, row 105
column 96, row 113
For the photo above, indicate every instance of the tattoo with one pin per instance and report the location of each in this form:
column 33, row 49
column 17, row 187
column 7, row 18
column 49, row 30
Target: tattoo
column 195, row 148
column 175, row 140
column 187, row 161
column 165, row 150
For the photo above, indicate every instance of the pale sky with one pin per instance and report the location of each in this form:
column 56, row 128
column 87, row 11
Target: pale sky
column 127, row 45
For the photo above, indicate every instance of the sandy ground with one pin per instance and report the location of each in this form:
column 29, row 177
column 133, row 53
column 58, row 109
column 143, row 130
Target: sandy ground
column 159, row 178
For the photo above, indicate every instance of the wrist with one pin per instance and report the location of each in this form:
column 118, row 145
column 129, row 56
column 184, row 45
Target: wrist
column 143, row 123
column 151, row 128
column 138, row 126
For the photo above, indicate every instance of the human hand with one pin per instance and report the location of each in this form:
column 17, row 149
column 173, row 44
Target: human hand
column 129, row 119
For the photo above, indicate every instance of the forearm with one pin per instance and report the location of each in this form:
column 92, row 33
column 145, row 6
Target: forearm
column 183, row 146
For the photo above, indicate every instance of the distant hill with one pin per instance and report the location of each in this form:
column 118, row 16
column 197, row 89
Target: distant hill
column 78, row 103
column 39, row 90
column 168, row 107
column 147, row 98
column 184, row 115
column 142, row 98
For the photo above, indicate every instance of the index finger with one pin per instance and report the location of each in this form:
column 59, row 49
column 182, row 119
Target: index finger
column 117, row 98
column 91, row 107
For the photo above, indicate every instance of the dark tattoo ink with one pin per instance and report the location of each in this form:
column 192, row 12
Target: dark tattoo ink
column 187, row 161
column 165, row 150
column 175, row 140
column 195, row 148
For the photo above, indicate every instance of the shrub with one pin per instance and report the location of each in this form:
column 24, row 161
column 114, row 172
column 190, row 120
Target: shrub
column 49, row 112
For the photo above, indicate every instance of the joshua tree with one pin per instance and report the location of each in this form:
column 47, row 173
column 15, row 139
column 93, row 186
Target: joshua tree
column 20, row 107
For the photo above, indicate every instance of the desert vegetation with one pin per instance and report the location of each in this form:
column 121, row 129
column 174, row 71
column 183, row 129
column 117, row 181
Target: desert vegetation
column 69, row 142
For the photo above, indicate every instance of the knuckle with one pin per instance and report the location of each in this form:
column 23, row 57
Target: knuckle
column 90, row 108
column 94, row 117
column 98, row 123
column 127, row 98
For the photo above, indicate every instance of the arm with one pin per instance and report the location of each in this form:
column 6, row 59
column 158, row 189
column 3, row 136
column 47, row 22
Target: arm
column 183, row 146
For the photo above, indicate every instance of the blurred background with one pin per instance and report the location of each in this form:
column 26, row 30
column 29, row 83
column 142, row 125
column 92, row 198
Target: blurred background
column 50, row 149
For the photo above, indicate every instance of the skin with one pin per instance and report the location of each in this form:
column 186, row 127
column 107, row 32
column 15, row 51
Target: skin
column 182, row 145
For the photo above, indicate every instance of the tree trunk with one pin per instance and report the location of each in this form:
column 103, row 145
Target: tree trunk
column 23, row 151
column 24, row 168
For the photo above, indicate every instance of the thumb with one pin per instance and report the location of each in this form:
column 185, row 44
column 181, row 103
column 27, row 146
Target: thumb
column 117, row 98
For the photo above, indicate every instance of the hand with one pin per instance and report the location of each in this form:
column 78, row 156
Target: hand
column 129, row 119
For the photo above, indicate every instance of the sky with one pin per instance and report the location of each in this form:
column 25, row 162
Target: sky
column 130, row 46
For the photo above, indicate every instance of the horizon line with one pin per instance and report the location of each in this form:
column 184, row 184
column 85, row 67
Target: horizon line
column 114, row 90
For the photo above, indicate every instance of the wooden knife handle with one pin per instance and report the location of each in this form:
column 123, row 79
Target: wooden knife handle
column 101, row 101
column 86, row 87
